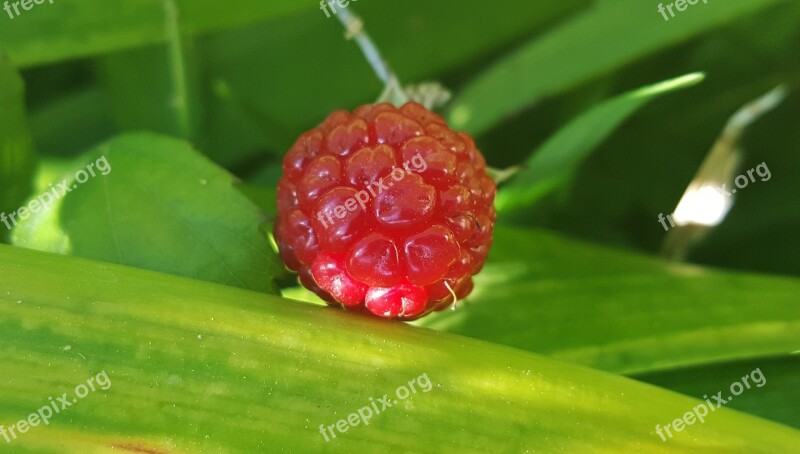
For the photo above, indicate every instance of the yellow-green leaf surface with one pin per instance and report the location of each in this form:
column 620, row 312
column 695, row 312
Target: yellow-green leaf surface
column 620, row 311
column 199, row 367
column 607, row 36
column 63, row 29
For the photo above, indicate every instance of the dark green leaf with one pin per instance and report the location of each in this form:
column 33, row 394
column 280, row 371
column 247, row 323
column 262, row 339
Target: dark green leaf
column 607, row 36
column 553, row 165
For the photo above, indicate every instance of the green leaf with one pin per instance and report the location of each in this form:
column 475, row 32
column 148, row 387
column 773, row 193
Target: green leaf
column 262, row 188
column 44, row 34
column 611, row 34
column 72, row 123
column 777, row 399
column 267, row 108
column 156, row 88
column 619, row 311
column 553, row 165
column 644, row 168
column 264, row 197
column 17, row 159
column 185, row 218
column 198, row 367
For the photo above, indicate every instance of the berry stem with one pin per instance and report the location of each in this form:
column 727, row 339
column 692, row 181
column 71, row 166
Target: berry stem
column 354, row 26
column 432, row 95
column 502, row 175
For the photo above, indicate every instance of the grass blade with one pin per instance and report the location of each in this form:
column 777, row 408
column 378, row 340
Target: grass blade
column 552, row 166
column 592, row 44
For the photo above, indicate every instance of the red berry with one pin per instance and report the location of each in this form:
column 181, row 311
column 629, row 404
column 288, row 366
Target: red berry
column 385, row 210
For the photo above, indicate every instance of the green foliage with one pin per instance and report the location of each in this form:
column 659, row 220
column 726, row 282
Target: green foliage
column 570, row 55
column 17, row 160
column 200, row 367
column 42, row 35
column 184, row 218
column 552, row 166
column 622, row 312
column 194, row 102
column 773, row 401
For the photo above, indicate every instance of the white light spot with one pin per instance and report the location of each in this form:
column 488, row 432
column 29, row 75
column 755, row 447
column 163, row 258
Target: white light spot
column 705, row 205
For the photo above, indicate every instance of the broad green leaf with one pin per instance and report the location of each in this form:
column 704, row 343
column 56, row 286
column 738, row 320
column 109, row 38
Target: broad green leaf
column 619, row 311
column 184, row 218
column 60, row 30
column 554, row 164
column 611, row 34
column 776, row 399
column 17, row 159
column 198, row 367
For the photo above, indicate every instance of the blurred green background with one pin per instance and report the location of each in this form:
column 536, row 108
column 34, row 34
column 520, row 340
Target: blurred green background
column 248, row 91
